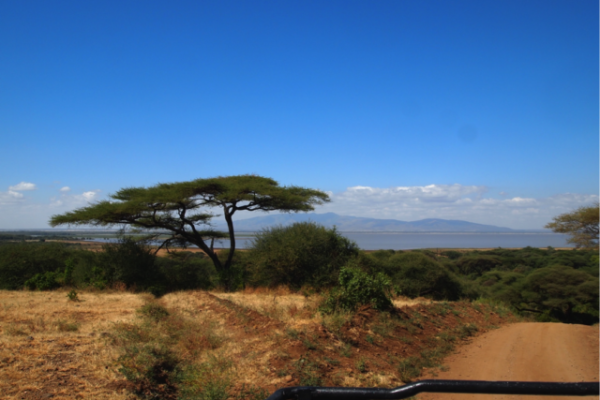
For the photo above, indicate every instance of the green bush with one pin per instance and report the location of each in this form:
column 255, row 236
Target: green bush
column 382, row 255
column 185, row 270
column 357, row 288
column 452, row 254
column 238, row 273
column 372, row 263
column 300, row 254
column 477, row 265
column 20, row 262
column 44, row 281
column 562, row 293
column 416, row 274
column 130, row 262
column 46, row 266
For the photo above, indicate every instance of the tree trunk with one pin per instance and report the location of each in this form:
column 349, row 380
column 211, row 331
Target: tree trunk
column 227, row 266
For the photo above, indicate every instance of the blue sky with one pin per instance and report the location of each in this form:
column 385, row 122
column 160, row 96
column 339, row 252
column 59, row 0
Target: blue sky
column 485, row 111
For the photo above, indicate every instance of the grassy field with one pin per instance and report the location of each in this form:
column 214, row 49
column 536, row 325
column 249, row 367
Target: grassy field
column 211, row 345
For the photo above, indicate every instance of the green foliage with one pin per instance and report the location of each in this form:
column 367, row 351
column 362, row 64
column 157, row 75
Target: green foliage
column 416, row 274
column 452, row 254
column 20, row 262
column 185, row 270
column 299, row 254
column 44, row 281
column 503, row 286
column 130, row 262
column 477, row 265
column 581, row 224
column 374, row 262
column 46, row 266
column 308, row 372
column 382, row 255
column 563, row 293
column 357, row 288
column 72, row 295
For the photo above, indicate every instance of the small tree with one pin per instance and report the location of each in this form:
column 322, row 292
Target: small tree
column 180, row 209
column 581, row 224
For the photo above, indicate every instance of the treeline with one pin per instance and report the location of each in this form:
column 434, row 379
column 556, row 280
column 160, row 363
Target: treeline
column 127, row 264
column 548, row 284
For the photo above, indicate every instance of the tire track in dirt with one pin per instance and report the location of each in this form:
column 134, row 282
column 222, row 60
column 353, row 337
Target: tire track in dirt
column 550, row 352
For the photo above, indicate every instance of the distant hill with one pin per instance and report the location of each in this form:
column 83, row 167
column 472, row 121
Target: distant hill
column 358, row 224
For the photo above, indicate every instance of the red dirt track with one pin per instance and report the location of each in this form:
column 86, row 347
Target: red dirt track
column 525, row 352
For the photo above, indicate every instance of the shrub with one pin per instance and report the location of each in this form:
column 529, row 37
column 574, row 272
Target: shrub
column 130, row 262
column 358, row 288
column 452, row 254
column 382, row 255
column 73, row 296
column 563, row 293
column 416, row 274
column 44, row 281
column 20, row 262
column 300, row 254
column 185, row 270
column 477, row 265
column 371, row 263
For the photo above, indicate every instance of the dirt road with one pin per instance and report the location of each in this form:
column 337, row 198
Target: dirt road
column 525, row 352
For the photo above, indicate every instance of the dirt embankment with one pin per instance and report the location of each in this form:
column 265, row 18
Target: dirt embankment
column 549, row 352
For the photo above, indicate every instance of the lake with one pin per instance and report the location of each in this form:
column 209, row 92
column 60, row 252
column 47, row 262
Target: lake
column 407, row 241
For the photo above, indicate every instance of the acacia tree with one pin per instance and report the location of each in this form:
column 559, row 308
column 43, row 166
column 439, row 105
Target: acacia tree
column 181, row 209
column 581, row 224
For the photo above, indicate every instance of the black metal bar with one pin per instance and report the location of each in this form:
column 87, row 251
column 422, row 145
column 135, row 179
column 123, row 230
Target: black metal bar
column 439, row 386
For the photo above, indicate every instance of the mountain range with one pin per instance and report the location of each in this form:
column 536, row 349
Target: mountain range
column 345, row 223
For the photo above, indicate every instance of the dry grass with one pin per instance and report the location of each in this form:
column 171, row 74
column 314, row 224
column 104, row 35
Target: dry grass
column 249, row 352
column 43, row 334
column 401, row 301
column 290, row 308
column 241, row 343
column 293, row 308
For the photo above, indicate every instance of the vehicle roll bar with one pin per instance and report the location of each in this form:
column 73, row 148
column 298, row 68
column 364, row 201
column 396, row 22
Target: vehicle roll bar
column 438, row 386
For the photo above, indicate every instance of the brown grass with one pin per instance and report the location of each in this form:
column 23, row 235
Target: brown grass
column 51, row 345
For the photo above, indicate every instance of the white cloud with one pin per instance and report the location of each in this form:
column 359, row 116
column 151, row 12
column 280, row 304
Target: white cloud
column 453, row 202
column 75, row 200
column 429, row 193
column 10, row 197
column 15, row 195
column 65, row 189
column 90, row 196
column 22, row 186
column 22, row 212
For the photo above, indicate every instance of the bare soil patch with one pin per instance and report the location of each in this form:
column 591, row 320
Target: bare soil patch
column 528, row 351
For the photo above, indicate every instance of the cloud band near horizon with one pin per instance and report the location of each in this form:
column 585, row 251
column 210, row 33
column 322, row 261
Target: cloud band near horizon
column 407, row 203
column 469, row 203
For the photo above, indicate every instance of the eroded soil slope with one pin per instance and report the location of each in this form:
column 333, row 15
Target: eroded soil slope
column 525, row 352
